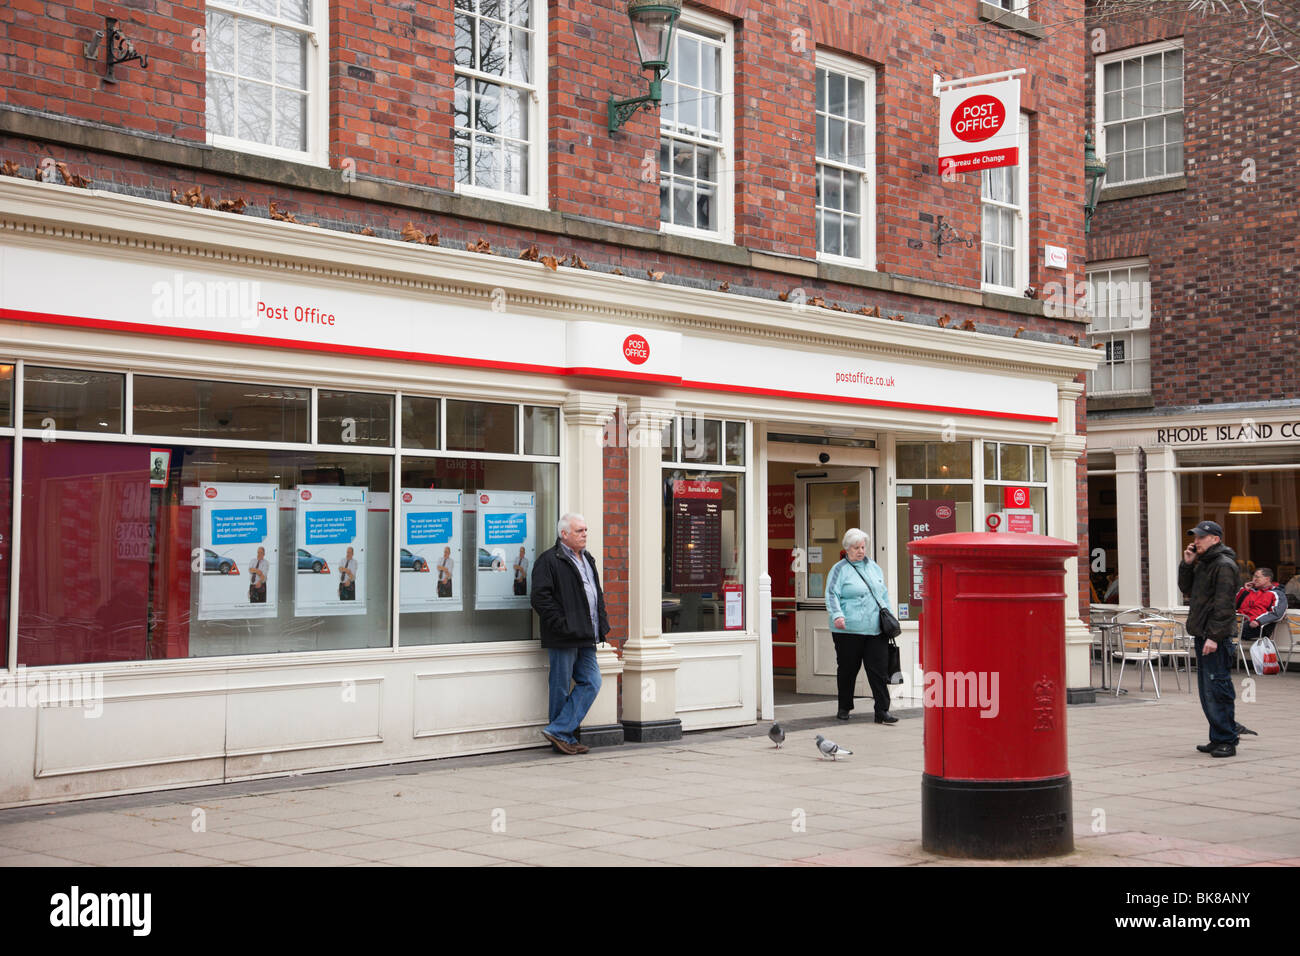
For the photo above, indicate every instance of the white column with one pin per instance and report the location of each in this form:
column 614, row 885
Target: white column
column 1128, row 518
column 587, row 416
column 766, row 693
column 1166, row 537
column 1063, row 518
column 650, row 664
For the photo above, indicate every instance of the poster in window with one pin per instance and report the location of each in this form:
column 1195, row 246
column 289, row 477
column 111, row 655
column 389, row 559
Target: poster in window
column 926, row 518
column 431, row 578
column 239, row 550
column 697, row 537
column 330, row 562
column 505, row 531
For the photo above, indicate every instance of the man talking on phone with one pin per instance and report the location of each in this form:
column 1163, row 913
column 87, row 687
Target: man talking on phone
column 1208, row 575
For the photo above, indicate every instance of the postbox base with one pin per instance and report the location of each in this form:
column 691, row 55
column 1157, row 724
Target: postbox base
column 997, row 820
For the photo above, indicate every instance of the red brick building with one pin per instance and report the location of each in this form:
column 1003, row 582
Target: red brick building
column 387, row 259
column 1193, row 258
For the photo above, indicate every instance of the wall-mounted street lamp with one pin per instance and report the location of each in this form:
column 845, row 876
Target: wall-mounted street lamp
column 1094, row 171
column 653, row 23
column 118, row 49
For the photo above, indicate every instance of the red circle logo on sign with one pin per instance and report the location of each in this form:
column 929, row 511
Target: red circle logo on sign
column 993, row 521
column 483, row 499
column 306, row 495
column 210, row 492
column 636, row 349
column 943, row 511
column 407, row 496
column 1020, row 497
column 978, row 118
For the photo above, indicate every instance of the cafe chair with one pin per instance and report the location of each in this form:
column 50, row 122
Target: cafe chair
column 1241, row 650
column 1138, row 645
column 1170, row 641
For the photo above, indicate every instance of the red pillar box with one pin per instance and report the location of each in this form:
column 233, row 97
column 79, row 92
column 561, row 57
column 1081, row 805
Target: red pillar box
column 996, row 782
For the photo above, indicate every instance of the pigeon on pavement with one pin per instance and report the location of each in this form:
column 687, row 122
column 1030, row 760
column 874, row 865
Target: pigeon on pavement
column 776, row 735
column 1240, row 729
column 830, row 748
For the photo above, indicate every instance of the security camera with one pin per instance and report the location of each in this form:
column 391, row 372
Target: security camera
column 823, row 458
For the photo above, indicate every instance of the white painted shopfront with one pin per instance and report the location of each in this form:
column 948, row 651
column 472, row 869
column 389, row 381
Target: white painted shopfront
column 162, row 359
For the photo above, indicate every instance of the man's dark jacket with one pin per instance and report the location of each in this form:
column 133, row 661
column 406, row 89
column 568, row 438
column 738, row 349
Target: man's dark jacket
column 560, row 600
column 1210, row 582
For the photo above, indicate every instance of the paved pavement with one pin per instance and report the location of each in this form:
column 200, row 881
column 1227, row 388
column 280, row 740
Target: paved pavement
column 1143, row 796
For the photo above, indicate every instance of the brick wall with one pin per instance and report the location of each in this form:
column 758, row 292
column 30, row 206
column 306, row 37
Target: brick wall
column 1223, row 250
column 614, row 560
column 390, row 118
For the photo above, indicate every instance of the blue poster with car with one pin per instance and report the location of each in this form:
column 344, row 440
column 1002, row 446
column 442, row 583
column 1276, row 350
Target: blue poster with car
column 432, row 576
column 506, row 534
column 330, row 560
column 239, row 550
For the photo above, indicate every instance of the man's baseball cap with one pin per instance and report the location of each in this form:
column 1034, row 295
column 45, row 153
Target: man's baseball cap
column 1207, row 527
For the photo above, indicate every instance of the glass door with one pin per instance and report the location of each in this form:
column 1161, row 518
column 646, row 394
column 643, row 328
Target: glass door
column 827, row 505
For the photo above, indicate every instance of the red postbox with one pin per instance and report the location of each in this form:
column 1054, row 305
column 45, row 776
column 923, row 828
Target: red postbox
column 996, row 782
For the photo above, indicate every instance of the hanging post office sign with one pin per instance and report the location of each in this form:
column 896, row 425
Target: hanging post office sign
column 979, row 127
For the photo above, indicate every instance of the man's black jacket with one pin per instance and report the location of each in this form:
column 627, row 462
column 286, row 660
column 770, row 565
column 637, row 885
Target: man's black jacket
column 560, row 600
column 1211, row 584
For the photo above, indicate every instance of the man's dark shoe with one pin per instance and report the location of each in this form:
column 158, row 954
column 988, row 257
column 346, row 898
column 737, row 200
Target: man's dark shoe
column 580, row 748
column 886, row 719
column 1223, row 750
column 841, row 715
column 1240, row 729
column 563, row 746
column 1205, row 748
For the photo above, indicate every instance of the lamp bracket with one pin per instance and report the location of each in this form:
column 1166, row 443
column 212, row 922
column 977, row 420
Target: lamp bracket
column 118, row 49
column 944, row 233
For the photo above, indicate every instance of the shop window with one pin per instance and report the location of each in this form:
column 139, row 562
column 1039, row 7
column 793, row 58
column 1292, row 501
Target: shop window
column 704, row 550
column 938, row 461
column 695, row 191
column 499, row 130
column 735, row 446
column 6, row 394
column 482, row 426
column 701, row 440
column 1103, row 540
column 1004, row 232
column 1270, row 539
column 1119, row 309
column 354, row 418
column 845, row 154
column 471, row 532
column 6, row 526
column 420, row 422
column 541, row 430
column 194, row 408
column 926, row 509
column 1140, row 113
column 670, row 441
column 1009, row 466
column 140, row 552
column 67, row 399
column 266, row 76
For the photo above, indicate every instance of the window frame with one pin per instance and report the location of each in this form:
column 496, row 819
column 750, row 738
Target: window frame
column 1021, row 257
column 1099, row 106
column 721, row 31
column 316, row 117
column 1140, row 325
column 538, row 155
column 836, row 63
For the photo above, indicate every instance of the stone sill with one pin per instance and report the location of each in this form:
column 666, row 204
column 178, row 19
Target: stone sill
column 991, row 13
column 200, row 156
column 1170, row 184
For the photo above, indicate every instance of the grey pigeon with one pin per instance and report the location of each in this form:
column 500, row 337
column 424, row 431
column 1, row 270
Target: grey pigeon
column 776, row 735
column 830, row 748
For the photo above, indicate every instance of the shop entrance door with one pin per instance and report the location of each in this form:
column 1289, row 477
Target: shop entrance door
column 826, row 506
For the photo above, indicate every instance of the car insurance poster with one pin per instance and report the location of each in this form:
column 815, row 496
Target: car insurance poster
column 330, row 575
column 505, row 524
column 239, row 550
column 430, row 557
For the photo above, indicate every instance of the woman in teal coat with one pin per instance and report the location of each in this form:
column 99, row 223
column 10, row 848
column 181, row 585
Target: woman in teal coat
column 855, row 593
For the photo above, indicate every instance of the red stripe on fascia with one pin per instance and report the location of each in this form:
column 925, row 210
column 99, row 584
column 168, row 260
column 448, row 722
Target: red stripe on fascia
column 873, row 402
column 50, row 318
column 625, row 376
column 294, row 344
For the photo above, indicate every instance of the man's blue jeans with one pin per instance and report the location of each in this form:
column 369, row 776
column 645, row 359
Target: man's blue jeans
column 576, row 665
column 1214, row 681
